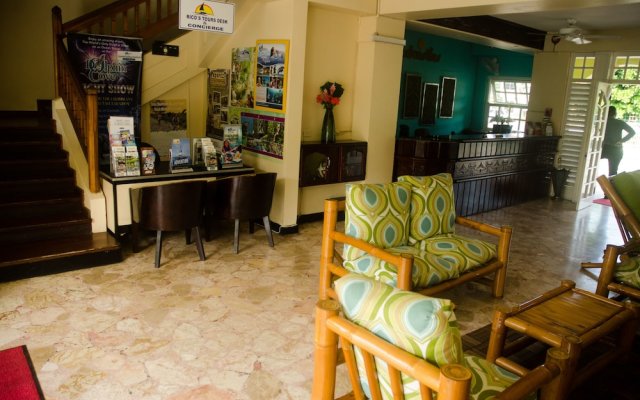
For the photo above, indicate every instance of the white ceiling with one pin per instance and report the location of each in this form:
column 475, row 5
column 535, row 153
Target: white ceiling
column 594, row 19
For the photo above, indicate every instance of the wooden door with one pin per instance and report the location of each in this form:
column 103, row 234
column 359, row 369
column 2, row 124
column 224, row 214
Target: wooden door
column 587, row 172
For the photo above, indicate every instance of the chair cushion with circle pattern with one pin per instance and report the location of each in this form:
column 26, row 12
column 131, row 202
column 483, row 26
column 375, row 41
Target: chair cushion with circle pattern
column 377, row 214
column 628, row 271
column 487, row 379
column 428, row 269
column 432, row 206
column 465, row 253
column 424, row 326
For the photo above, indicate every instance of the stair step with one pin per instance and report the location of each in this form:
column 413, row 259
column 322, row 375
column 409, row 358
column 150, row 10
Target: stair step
column 11, row 170
column 24, row 212
column 27, row 135
column 38, row 189
column 41, row 229
column 31, row 150
column 37, row 258
column 31, row 213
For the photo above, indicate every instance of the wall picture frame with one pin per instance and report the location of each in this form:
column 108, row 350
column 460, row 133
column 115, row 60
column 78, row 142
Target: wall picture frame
column 447, row 96
column 271, row 69
column 429, row 107
column 411, row 104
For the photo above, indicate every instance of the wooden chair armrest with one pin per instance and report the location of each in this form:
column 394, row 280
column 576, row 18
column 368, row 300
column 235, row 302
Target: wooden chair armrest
column 556, row 361
column 483, row 227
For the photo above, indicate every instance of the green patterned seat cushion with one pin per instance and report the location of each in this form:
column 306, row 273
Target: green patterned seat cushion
column 423, row 326
column 628, row 272
column 465, row 253
column 487, row 379
column 432, row 206
column 627, row 185
column 377, row 214
column 428, row 269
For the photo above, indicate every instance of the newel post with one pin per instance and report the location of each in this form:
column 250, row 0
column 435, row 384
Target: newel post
column 91, row 138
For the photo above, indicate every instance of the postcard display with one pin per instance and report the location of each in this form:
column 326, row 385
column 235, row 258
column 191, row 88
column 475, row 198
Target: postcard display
column 204, row 154
column 125, row 160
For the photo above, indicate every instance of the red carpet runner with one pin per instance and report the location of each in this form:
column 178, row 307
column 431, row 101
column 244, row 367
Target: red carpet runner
column 17, row 377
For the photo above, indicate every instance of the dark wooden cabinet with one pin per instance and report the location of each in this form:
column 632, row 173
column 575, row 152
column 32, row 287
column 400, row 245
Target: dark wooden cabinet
column 487, row 173
column 325, row 163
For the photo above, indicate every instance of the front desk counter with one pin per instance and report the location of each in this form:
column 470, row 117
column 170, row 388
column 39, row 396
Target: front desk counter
column 116, row 190
column 489, row 172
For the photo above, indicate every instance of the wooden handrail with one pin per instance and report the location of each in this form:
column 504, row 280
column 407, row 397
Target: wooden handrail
column 139, row 18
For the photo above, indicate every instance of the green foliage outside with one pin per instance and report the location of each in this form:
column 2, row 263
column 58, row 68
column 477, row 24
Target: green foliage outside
column 626, row 98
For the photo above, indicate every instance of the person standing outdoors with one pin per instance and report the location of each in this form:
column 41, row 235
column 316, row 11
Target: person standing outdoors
column 613, row 139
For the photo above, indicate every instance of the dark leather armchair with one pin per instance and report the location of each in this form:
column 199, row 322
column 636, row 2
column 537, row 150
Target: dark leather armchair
column 173, row 207
column 241, row 198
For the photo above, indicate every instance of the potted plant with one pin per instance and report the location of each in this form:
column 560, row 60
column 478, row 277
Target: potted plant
column 501, row 125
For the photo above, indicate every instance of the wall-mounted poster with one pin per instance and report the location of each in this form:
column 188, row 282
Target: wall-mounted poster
column 168, row 121
column 113, row 66
column 264, row 133
column 271, row 74
column 218, row 88
column 242, row 77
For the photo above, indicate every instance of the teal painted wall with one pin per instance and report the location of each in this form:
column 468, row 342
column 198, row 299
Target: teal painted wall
column 467, row 62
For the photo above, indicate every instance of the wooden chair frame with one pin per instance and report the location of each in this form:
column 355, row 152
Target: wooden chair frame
column 628, row 224
column 451, row 382
column 605, row 280
column 331, row 260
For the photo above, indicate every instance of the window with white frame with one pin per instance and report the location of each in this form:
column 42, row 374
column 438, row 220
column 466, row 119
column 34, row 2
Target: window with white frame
column 507, row 103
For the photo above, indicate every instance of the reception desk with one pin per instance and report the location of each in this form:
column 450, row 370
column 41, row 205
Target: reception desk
column 488, row 173
column 116, row 190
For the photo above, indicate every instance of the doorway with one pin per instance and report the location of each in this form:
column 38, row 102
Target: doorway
column 623, row 97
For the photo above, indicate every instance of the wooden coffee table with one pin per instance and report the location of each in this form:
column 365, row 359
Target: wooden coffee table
column 567, row 318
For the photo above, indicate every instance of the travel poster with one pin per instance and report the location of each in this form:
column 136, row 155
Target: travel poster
column 242, row 77
column 264, row 133
column 218, row 90
column 271, row 74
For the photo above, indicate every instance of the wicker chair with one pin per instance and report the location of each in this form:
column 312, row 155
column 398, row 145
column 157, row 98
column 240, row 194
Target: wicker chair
column 384, row 360
column 622, row 190
column 621, row 277
column 385, row 237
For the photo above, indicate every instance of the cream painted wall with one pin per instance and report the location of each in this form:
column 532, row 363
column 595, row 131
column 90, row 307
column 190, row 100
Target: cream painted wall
column 25, row 36
column 549, row 87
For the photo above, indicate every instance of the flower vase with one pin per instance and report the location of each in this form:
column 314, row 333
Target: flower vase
column 328, row 134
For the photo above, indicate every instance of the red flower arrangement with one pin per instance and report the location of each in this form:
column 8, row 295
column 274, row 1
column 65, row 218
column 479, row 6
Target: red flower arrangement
column 330, row 94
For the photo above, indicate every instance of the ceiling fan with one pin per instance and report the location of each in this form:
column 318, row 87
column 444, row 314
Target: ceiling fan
column 573, row 33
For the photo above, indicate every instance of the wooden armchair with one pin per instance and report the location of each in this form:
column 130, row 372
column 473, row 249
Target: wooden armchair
column 622, row 190
column 621, row 277
column 384, row 362
column 426, row 265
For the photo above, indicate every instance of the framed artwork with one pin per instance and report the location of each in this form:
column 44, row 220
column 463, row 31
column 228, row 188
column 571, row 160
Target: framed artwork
column 319, row 165
column 411, row 107
column 447, row 97
column 354, row 162
column 270, row 85
column 429, row 103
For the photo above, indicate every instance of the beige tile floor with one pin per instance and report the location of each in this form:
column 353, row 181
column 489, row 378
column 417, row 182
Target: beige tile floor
column 241, row 326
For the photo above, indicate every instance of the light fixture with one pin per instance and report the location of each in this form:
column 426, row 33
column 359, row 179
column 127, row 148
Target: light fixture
column 387, row 39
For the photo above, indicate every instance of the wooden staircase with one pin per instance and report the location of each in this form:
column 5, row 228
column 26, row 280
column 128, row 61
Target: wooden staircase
column 44, row 226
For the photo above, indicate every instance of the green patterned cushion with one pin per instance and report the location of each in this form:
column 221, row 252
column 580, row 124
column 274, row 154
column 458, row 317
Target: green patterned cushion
column 465, row 253
column 428, row 269
column 377, row 214
column 423, row 326
column 433, row 209
column 627, row 185
column 488, row 379
column 628, row 272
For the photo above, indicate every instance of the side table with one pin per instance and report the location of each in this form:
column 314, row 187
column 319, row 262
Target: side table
column 567, row 318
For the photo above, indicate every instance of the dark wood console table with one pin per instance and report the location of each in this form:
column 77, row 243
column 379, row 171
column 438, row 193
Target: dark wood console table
column 488, row 173
column 116, row 190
